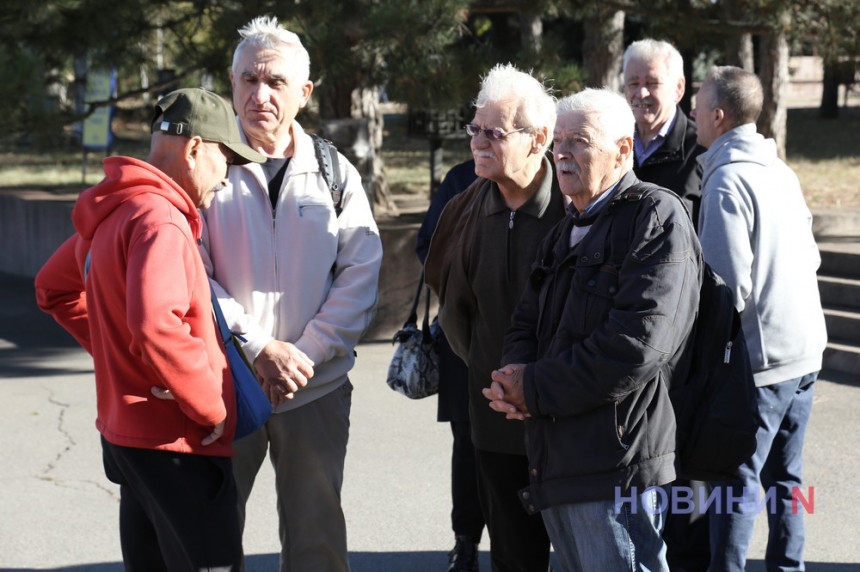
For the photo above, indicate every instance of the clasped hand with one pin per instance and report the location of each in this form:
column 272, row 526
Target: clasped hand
column 506, row 392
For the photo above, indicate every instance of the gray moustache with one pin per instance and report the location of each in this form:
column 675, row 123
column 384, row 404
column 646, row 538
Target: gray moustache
column 567, row 166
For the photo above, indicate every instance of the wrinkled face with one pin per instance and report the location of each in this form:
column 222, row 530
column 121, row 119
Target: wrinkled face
column 501, row 160
column 703, row 113
column 209, row 173
column 268, row 92
column 651, row 92
column 585, row 163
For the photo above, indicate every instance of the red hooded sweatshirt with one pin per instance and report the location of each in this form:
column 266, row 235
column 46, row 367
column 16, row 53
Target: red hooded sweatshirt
column 146, row 313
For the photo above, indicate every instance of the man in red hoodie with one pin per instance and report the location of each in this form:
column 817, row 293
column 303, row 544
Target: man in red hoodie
column 131, row 288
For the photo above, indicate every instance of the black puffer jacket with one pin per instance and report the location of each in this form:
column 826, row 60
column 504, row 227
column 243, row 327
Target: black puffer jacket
column 674, row 164
column 595, row 328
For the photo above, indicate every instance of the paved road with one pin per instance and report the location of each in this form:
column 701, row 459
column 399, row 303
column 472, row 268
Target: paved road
column 58, row 512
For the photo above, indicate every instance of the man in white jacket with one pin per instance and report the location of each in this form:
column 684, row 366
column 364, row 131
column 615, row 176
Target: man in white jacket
column 299, row 281
column 756, row 232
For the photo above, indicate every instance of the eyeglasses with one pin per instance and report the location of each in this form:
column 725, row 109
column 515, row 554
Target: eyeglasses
column 495, row 133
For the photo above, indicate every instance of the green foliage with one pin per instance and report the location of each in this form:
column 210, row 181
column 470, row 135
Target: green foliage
column 833, row 23
column 22, row 101
column 430, row 54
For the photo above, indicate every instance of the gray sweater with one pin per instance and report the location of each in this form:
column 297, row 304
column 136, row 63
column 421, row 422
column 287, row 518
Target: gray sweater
column 756, row 232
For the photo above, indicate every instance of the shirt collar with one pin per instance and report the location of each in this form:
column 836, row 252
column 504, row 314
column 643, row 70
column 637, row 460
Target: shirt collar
column 587, row 216
column 537, row 204
column 642, row 152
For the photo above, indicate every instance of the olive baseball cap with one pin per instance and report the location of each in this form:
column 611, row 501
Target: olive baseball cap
column 196, row 112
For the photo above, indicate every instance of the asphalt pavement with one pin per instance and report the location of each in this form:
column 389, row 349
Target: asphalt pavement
column 59, row 512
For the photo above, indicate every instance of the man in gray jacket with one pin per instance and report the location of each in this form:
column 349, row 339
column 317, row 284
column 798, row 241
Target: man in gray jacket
column 756, row 233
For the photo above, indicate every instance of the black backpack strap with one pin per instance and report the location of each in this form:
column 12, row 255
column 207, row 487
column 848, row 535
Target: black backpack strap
column 621, row 222
column 326, row 154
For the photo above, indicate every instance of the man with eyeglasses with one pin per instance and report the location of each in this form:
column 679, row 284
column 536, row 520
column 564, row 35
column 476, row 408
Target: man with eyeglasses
column 478, row 264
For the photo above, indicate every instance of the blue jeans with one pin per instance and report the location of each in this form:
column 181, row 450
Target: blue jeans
column 776, row 466
column 590, row 536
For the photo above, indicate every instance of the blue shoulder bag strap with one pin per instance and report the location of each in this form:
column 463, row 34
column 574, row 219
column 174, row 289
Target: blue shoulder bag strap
column 87, row 266
column 226, row 334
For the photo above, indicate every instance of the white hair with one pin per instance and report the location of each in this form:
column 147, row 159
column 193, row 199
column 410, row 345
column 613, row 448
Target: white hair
column 649, row 50
column 264, row 32
column 535, row 103
column 608, row 111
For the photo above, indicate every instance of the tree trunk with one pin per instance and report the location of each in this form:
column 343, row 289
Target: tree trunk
column 739, row 52
column 531, row 31
column 603, row 48
column 365, row 105
column 774, row 79
column 686, row 102
column 829, row 108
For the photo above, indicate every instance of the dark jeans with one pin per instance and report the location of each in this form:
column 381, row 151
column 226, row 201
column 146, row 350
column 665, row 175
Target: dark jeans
column 603, row 536
column 518, row 540
column 466, row 516
column 776, row 466
column 177, row 512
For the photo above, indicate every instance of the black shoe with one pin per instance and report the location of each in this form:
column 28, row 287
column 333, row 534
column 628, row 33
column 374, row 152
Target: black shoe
column 464, row 557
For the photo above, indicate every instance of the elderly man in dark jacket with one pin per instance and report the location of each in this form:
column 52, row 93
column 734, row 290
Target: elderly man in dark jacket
column 664, row 144
column 604, row 317
column 665, row 149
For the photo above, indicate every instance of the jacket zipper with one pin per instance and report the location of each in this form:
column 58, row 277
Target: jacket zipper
column 510, row 232
column 275, row 320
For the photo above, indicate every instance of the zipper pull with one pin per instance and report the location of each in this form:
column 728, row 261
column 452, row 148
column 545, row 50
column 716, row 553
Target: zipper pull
column 727, row 356
column 511, row 222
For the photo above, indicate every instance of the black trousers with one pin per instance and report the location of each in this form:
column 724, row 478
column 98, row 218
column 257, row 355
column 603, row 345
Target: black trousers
column 467, row 519
column 687, row 536
column 177, row 512
column 518, row 540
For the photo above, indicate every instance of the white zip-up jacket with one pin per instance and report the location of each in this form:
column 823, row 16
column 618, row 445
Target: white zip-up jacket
column 756, row 233
column 300, row 274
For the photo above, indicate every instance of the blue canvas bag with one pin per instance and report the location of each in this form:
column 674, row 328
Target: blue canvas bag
column 253, row 408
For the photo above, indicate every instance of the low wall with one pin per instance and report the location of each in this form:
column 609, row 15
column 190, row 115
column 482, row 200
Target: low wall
column 34, row 223
column 398, row 276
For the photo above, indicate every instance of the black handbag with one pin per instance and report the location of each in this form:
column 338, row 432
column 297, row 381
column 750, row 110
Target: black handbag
column 414, row 369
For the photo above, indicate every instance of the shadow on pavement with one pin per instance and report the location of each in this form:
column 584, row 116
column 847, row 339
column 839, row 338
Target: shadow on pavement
column 16, row 362
column 396, row 562
column 428, row 561
column 21, row 321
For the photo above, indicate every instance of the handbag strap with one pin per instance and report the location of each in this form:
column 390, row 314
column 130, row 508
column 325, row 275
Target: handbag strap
column 413, row 313
column 425, row 327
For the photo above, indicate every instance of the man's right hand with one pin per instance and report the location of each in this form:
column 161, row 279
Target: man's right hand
column 284, row 367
